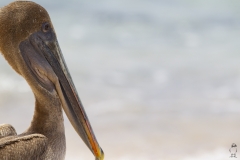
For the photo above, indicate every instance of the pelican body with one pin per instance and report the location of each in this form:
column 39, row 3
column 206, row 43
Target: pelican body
column 29, row 44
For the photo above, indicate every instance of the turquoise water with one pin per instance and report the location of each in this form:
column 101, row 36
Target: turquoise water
column 159, row 79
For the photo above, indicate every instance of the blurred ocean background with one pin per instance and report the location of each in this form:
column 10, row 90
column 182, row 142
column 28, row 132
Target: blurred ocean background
column 159, row 79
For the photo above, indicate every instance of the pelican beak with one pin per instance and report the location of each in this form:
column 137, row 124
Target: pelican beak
column 71, row 102
column 43, row 50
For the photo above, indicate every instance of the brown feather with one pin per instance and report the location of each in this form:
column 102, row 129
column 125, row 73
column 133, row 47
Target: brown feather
column 23, row 147
column 7, row 130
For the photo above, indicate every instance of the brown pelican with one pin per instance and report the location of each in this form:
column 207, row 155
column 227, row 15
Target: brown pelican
column 29, row 44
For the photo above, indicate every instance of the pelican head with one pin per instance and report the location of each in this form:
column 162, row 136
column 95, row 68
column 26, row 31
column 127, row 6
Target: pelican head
column 29, row 44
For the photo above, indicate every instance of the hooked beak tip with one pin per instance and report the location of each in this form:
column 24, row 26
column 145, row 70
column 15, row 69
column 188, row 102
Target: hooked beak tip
column 101, row 155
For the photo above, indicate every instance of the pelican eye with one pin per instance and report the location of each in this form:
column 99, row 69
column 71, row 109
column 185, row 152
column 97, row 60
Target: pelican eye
column 45, row 27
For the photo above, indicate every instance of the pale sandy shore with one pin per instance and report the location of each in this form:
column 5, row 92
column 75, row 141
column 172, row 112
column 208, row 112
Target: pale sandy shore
column 129, row 133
